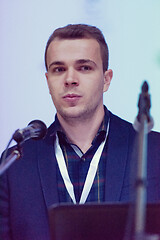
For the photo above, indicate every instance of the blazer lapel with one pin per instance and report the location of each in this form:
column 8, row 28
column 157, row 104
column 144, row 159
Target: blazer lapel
column 47, row 170
column 117, row 147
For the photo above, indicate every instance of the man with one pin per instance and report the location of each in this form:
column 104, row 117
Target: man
column 87, row 152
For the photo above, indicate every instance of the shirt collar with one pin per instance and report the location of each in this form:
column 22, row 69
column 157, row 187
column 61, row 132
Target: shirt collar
column 100, row 134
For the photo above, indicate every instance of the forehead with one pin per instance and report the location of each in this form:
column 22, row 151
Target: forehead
column 73, row 49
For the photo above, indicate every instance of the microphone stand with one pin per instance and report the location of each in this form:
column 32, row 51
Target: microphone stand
column 15, row 154
column 141, row 181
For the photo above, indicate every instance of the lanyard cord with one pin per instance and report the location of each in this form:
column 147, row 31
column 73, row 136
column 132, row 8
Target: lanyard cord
column 90, row 175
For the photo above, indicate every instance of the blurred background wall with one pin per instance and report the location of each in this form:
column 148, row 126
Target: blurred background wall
column 131, row 28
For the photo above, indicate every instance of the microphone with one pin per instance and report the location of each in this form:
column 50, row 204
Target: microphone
column 36, row 129
column 144, row 104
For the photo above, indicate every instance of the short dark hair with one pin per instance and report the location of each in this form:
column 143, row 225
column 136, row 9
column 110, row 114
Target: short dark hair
column 80, row 31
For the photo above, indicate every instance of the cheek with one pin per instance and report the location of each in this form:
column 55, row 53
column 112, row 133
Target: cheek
column 54, row 97
column 51, row 86
column 97, row 87
column 52, row 91
column 94, row 93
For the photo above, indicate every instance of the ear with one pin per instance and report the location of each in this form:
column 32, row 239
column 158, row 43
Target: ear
column 107, row 79
column 46, row 74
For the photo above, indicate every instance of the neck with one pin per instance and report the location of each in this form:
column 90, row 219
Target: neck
column 82, row 132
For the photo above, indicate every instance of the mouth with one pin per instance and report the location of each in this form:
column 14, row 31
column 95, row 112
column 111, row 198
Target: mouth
column 71, row 97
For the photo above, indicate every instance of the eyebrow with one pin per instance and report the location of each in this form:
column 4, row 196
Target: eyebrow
column 79, row 61
column 82, row 61
column 58, row 63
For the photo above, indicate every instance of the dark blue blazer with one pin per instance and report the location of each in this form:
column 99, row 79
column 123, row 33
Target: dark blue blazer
column 29, row 186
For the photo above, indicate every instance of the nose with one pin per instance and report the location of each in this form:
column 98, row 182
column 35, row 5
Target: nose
column 71, row 78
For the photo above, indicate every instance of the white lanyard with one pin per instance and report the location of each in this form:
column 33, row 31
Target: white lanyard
column 90, row 175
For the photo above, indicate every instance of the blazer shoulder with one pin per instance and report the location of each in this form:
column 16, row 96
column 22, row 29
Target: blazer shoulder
column 154, row 139
column 120, row 123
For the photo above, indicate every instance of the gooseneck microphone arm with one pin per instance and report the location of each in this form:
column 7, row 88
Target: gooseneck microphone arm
column 15, row 154
column 35, row 129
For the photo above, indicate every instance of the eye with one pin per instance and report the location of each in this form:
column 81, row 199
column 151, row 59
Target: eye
column 85, row 68
column 58, row 69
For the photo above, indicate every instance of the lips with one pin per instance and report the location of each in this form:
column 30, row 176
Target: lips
column 71, row 97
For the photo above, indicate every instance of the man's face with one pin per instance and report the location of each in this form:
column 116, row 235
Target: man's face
column 75, row 77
